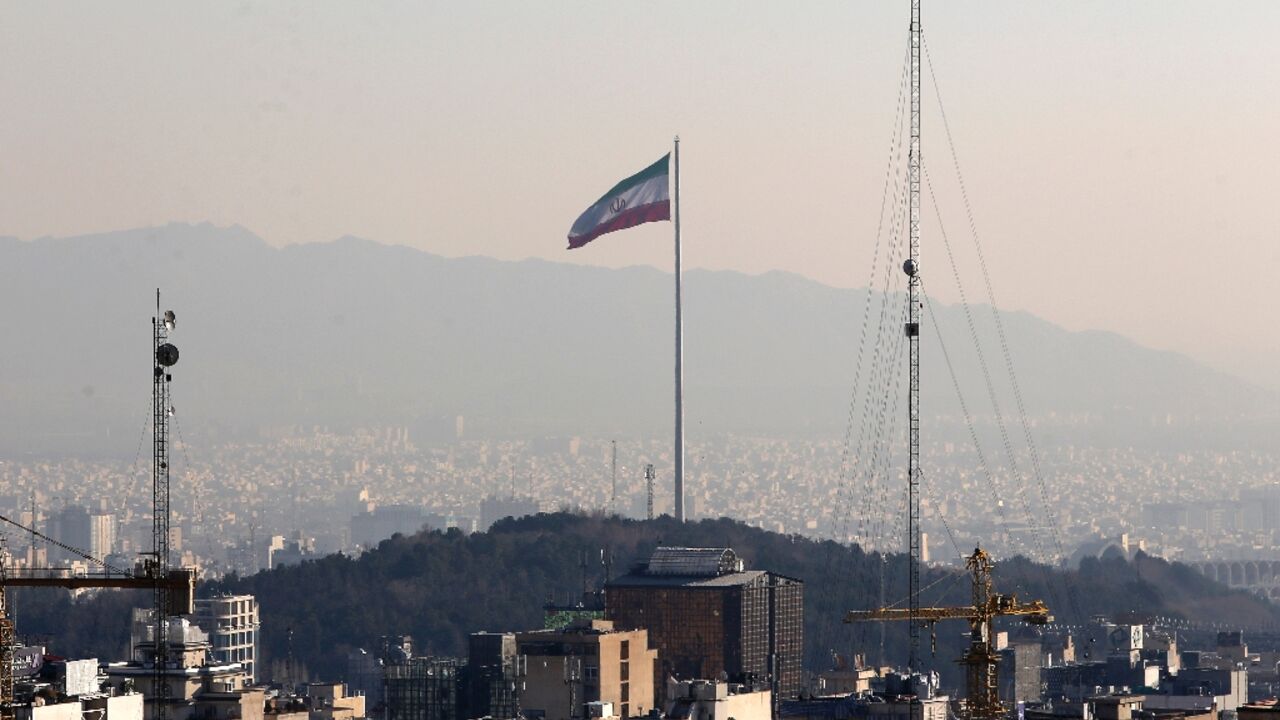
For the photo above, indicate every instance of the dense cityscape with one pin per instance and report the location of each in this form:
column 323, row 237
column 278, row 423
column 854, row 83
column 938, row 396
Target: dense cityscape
column 314, row 486
column 450, row 440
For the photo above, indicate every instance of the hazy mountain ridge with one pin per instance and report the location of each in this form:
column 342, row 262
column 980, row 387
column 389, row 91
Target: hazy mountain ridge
column 354, row 332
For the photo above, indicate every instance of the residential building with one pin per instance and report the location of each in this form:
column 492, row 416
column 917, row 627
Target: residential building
column 586, row 662
column 102, row 534
column 231, row 622
column 199, row 687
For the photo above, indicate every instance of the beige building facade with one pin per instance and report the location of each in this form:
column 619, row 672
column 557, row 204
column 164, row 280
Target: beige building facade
column 587, row 662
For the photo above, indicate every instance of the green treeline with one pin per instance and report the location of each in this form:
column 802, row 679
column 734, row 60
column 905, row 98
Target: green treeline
column 440, row 586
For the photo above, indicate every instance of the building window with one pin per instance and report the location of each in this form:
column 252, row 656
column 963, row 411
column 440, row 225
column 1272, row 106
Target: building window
column 625, row 650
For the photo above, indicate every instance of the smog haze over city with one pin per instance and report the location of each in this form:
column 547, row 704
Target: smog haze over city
column 358, row 214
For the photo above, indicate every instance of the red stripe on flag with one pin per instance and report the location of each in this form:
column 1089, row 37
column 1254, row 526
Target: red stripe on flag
column 630, row 217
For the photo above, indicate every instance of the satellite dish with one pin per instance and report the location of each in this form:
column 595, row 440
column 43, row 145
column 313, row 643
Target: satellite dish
column 170, row 320
column 166, row 355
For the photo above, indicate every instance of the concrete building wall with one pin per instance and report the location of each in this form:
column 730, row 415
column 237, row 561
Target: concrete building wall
column 60, row 711
column 125, row 707
column 81, row 677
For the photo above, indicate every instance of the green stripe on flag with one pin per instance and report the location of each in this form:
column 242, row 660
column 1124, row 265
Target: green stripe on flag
column 654, row 170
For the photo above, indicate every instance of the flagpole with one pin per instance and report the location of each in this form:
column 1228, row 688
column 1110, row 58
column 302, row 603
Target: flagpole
column 679, row 449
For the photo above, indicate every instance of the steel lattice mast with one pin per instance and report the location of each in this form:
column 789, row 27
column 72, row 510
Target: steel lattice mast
column 912, row 268
column 7, row 639
column 161, row 360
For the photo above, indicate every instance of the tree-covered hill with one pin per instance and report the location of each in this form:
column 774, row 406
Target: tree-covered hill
column 439, row 586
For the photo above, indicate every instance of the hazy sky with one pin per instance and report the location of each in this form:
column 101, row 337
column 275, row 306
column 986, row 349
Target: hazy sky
column 1121, row 157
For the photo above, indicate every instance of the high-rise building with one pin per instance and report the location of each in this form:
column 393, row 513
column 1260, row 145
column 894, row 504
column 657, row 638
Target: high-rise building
column 70, row 527
column 708, row 616
column 377, row 523
column 231, row 622
column 102, row 534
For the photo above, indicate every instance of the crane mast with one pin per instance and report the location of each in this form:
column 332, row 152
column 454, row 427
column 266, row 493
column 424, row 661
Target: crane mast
column 7, row 639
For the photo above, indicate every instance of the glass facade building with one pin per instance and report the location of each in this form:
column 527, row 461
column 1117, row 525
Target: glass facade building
column 709, row 618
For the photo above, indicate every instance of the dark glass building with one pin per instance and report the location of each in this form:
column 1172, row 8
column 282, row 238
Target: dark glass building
column 710, row 618
column 422, row 688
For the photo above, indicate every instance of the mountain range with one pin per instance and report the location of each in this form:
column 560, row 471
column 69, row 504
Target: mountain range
column 352, row 332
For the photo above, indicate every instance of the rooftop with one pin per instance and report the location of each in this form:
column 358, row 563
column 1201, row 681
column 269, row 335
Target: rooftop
column 642, row 579
column 683, row 561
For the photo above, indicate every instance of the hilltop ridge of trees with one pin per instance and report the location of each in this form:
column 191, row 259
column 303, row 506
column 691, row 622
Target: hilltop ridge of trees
column 439, row 586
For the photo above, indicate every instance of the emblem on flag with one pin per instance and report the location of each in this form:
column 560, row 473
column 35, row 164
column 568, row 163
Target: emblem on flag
column 641, row 198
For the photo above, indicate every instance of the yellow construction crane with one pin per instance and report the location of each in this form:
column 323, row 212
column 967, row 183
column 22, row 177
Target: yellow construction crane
column 179, row 583
column 981, row 660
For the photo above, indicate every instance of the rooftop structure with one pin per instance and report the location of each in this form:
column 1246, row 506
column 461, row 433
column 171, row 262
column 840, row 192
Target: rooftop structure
column 896, row 697
column 709, row 700
column 693, row 562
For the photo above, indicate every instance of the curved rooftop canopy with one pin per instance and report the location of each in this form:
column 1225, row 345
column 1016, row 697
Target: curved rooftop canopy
column 698, row 562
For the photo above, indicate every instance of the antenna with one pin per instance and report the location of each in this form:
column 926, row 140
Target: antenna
column 163, row 356
column 912, row 268
column 648, row 478
column 613, row 494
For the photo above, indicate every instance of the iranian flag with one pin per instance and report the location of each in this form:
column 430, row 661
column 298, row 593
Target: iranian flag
column 641, row 198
